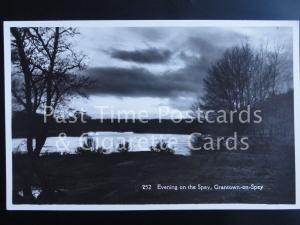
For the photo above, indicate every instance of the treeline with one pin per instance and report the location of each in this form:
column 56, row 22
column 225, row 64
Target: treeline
column 277, row 120
column 75, row 129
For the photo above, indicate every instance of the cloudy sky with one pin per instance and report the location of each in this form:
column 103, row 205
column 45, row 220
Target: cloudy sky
column 144, row 69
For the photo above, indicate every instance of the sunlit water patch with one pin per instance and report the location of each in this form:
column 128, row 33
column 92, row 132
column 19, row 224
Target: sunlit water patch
column 110, row 141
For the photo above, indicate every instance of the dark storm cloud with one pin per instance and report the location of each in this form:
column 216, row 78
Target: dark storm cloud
column 198, row 50
column 205, row 48
column 151, row 55
column 142, row 82
column 211, row 44
column 139, row 82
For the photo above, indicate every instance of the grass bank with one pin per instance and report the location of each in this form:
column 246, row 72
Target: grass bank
column 119, row 178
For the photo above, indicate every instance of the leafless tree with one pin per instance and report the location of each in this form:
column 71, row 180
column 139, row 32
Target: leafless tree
column 241, row 77
column 46, row 72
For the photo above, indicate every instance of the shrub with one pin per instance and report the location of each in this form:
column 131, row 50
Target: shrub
column 123, row 147
column 100, row 151
column 162, row 147
column 89, row 147
column 85, row 151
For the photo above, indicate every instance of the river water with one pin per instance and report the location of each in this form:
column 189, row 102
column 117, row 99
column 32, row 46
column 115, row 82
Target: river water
column 110, row 141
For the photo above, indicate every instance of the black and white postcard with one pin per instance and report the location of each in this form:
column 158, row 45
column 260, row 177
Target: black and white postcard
column 152, row 115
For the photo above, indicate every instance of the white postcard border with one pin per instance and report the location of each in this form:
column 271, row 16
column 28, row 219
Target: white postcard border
column 149, row 23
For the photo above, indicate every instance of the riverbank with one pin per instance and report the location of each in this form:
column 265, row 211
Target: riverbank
column 135, row 177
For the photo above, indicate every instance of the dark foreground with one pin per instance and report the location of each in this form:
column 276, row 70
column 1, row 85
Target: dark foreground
column 119, row 178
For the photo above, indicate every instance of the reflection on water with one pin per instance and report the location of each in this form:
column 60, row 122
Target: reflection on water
column 110, row 141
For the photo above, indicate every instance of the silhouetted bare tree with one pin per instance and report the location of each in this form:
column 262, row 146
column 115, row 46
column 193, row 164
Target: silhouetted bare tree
column 45, row 74
column 241, row 77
